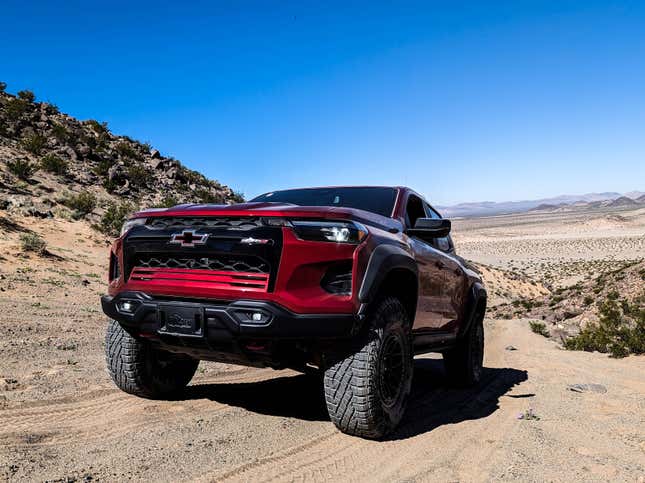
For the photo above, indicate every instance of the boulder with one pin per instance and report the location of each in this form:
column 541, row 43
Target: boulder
column 83, row 149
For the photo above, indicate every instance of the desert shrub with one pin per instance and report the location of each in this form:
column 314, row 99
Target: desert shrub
column 125, row 150
column 15, row 108
column 103, row 166
column 238, row 197
column 34, row 143
column 31, row 242
column 82, row 203
column 169, row 201
column 588, row 300
column 54, row 164
column 3, row 86
column 138, row 175
column 27, row 95
column 556, row 300
column 206, row 196
column 110, row 185
column 620, row 330
column 61, row 133
column 539, row 328
column 114, row 217
column 51, row 108
column 98, row 127
column 529, row 304
column 193, row 177
column 22, row 168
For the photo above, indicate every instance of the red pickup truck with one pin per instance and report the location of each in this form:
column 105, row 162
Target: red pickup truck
column 350, row 281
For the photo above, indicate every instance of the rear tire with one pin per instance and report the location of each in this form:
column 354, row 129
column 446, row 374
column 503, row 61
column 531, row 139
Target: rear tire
column 464, row 363
column 138, row 368
column 367, row 387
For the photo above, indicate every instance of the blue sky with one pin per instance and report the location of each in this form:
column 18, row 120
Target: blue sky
column 463, row 101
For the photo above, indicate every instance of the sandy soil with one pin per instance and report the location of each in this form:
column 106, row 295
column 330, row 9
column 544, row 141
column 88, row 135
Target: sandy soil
column 557, row 249
column 62, row 419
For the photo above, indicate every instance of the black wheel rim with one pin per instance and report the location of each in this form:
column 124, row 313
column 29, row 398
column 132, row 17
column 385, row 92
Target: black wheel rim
column 392, row 369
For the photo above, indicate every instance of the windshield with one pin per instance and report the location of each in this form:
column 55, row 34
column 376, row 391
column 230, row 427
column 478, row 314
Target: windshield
column 375, row 199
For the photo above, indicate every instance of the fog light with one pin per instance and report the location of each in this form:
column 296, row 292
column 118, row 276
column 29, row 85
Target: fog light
column 251, row 317
column 128, row 306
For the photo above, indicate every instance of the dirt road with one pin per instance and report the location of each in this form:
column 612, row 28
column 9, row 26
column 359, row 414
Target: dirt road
column 243, row 424
column 62, row 419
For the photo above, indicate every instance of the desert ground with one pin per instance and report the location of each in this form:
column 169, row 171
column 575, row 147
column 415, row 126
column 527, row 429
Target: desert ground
column 62, row 419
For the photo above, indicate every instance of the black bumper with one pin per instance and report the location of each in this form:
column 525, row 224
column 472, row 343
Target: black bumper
column 225, row 320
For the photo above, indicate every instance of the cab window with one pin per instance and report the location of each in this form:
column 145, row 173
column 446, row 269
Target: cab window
column 414, row 210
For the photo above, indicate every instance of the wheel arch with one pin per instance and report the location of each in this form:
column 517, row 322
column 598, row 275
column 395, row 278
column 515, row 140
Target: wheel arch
column 392, row 271
column 475, row 307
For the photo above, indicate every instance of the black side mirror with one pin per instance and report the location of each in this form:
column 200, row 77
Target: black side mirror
column 429, row 228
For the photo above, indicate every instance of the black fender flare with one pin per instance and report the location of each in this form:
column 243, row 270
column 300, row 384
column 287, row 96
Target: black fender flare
column 383, row 260
column 476, row 293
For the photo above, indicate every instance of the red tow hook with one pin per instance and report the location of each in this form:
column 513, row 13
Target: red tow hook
column 255, row 346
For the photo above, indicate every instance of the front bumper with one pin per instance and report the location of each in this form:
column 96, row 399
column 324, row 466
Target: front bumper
column 225, row 321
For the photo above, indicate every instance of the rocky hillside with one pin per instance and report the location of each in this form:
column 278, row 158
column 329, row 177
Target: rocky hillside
column 615, row 298
column 52, row 164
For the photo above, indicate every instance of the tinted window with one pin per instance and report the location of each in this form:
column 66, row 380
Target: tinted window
column 376, row 200
column 430, row 213
column 413, row 211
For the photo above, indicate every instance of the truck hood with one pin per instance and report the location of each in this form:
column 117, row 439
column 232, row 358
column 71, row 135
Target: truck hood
column 273, row 210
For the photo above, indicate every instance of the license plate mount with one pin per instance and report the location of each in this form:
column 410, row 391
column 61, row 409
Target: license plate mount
column 181, row 320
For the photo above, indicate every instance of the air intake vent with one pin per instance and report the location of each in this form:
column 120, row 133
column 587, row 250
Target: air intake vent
column 338, row 279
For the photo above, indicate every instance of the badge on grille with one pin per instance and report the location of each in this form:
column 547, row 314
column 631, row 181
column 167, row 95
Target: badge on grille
column 189, row 238
column 255, row 241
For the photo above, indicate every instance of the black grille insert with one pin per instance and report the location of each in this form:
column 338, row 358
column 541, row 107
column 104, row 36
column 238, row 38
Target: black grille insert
column 221, row 263
column 239, row 224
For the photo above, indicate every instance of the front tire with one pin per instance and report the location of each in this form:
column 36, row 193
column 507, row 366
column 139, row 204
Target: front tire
column 138, row 368
column 367, row 387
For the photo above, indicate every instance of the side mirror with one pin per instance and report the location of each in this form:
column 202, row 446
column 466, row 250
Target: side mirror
column 429, row 228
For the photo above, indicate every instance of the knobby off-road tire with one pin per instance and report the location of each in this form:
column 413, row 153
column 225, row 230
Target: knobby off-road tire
column 464, row 363
column 367, row 386
column 137, row 368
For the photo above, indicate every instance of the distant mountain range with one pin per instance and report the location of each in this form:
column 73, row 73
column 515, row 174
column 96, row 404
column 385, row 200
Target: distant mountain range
column 591, row 200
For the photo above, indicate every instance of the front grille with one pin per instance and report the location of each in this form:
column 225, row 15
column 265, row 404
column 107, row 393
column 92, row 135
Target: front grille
column 237, row 224
column 155, row 264
column 247, row 264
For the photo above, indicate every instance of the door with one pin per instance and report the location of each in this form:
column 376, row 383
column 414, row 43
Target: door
column 430, row 304
column 431, row 301
column 454, row 276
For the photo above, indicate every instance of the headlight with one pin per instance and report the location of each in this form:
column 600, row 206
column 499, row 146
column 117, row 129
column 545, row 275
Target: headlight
column 331, row 231
column 132, row 223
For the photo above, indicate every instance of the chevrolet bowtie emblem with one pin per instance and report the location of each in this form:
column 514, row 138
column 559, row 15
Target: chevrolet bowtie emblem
column 255, row 241
column 189, row 238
